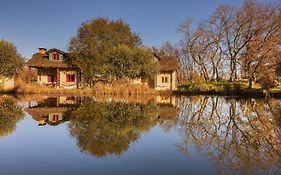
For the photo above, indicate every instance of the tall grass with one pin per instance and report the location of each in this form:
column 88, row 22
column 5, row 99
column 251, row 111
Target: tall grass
column 99, row 88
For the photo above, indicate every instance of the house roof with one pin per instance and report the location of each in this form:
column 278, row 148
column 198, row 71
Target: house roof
column 57, row 51
column 40, row 60
column 38, row 112
column 168, row 63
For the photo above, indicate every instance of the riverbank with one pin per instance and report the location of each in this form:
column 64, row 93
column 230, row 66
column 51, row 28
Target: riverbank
column 224, row 88
column 104, row 89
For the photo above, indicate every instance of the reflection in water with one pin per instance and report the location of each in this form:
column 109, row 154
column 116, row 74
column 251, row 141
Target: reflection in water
column 10, row 114
column 53, row 110
column 103, row 129
column 238, row 136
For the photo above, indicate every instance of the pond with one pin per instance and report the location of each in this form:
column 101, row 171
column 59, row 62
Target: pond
column 140, row 135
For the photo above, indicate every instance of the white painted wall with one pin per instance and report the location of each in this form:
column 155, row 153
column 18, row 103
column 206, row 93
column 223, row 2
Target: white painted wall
column 7, row 83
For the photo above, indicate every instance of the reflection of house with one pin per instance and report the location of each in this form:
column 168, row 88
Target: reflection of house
column 168, row 109
column 6, row 83
column 53, row 69
column 52, row 115
column 170, row 100
column 167, row 78
column 67, row 100
column 53, row 111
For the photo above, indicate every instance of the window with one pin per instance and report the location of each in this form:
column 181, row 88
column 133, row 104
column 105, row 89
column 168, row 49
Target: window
column 51, row 78
column 55, row 117
column 70, row 98
column 56, row 56
column 70, row 78
column 164, row 79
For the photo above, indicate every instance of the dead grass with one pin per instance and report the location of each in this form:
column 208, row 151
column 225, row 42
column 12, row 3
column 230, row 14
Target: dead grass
column 123, row 89
column 100, row 88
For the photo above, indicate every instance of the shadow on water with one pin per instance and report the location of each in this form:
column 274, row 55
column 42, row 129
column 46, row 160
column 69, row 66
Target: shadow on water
column 239, row 136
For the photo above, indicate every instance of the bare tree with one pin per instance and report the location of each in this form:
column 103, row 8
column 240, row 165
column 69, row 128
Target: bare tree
column 262, row 51
column 194, row 45
column 241, row 41
column 169, row 49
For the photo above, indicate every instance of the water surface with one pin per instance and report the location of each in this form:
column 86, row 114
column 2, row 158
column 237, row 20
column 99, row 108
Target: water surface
column 141, row 135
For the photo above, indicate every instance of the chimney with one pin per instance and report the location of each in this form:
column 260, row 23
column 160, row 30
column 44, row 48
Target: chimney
column 42, row 50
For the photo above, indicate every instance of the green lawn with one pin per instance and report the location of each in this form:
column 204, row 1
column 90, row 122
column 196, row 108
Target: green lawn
column 216, row 86
column 225, row 87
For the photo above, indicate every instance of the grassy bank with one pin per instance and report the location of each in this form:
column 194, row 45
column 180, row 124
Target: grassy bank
column 99, row 88
column 225, row 88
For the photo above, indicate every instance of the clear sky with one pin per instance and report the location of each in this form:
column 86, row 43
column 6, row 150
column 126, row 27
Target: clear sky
column 30, row 24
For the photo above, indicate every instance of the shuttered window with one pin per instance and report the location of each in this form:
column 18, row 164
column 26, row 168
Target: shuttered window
column 56, row 56
column 70, row 78
column 55, row 117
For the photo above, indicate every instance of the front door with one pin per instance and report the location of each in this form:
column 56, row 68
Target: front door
column 52, row 79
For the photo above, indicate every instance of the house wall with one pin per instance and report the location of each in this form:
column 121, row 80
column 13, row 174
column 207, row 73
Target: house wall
column 7, row 83
column 174, row 80
column 42, row 77
column 68, row 85
column 67, row 100
column 171, row 100
column 138, row 81
column 170, row 84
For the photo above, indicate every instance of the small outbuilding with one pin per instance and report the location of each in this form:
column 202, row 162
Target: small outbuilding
column 166, row 79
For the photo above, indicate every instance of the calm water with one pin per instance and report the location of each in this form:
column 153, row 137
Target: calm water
column 142, row 135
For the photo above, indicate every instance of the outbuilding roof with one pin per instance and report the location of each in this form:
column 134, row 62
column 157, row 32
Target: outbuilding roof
column 168, row 63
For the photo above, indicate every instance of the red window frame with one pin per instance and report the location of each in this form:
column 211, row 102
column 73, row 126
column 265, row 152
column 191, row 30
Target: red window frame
column 70, row 78
column 51, row 78
column 70, row 98
column 56, row 56
column 55, row 117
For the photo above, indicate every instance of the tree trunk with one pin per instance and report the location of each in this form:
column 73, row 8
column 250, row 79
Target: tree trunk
column 251, row 82
column 29, row 75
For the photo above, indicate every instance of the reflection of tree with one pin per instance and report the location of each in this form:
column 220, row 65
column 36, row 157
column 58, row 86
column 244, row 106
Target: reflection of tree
column 239, row 136
column 10, row 114
column 275, row 109
column 103, row 129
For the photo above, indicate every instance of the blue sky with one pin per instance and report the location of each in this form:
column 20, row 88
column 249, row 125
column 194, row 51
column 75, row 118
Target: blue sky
column 30, row 24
